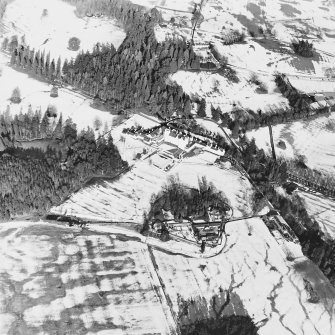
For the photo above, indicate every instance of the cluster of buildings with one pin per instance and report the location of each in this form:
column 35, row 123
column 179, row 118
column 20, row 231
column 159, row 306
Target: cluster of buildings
column 172, row 145
column 324, row 100
column 321, row 91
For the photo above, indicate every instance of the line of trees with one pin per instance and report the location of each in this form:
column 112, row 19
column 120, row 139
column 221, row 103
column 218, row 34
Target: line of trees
column 32, row 125
column 325, row 183
column 36, row 62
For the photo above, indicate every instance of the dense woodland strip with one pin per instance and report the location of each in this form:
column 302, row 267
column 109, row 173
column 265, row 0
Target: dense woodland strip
column 32, row 180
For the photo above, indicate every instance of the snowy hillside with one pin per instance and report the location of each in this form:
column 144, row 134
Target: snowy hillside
column 255, row 268
column 69, row 283
column 114, row 284
column 220, row 92
column 37, row 95
column 312, row 138
column 128, row 197
column 269, row 28
column 213, row 245
column 322, row 210
column 48, row 25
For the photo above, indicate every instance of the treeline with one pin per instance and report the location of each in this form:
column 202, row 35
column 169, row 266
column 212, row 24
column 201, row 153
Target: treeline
column 260, row 167
column 321, row 182
column 32, row 180
column 184, row 202
column 241, row 120
column 33, row 61
column 185, row 126
column 33, row 125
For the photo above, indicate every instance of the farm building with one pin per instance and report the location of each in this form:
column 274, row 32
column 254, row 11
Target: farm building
column 176, row 153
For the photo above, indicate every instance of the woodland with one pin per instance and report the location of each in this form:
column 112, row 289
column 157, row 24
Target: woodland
column 40, row 178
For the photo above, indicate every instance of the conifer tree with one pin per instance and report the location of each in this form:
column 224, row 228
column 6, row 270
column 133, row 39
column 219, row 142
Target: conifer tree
column 31, row 59
column 36, row 63
column 52, row 70
column 58, row 131
column 47, row 65
column 58, row 68
column 44, row 127
column 16, row 96
column 41, row 64
column 202, row 108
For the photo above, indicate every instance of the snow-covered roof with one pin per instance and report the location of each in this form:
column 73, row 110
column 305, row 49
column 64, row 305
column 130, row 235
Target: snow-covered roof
column 160, row 161
column 308, row 85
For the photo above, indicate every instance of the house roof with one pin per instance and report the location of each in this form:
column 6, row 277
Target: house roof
column 175, row 151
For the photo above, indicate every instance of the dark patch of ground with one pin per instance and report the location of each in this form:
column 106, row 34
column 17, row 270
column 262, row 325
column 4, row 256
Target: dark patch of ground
column 289, row 10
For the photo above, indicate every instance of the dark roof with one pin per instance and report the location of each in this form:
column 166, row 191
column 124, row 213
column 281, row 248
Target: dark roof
column 175, row 151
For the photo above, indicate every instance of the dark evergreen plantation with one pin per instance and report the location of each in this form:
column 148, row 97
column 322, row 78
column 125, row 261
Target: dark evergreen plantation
column 132, row 76
column 33, row 180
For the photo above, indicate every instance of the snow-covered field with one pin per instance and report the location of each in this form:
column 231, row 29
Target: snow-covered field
column 261, row 55
column 62, row 280
column 322, row 210
column 255, row 268
column 53, row 31
column 55, row 280
column 315, row 139
column 220, row 92
column 37, row 94
column 128, row 197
